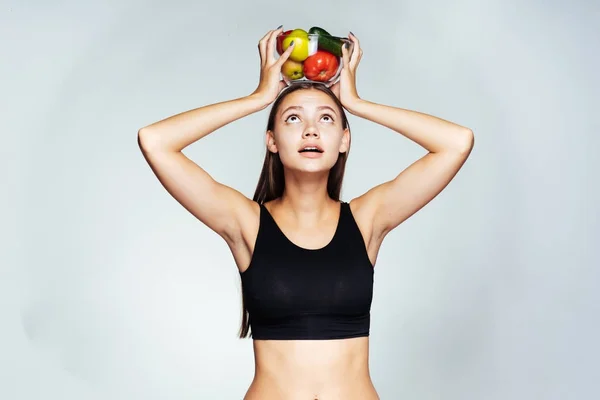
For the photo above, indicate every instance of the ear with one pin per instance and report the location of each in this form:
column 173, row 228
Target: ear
column 345, row 144
column 270, row 139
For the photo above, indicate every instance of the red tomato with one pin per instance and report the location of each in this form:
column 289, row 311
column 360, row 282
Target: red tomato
column 280, row 41
column 321, row 66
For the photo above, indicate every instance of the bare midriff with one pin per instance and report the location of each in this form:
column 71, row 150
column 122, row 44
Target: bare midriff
column 312, row 370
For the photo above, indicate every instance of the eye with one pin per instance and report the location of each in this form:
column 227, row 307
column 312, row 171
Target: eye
column 290, row 116
column 328, row 116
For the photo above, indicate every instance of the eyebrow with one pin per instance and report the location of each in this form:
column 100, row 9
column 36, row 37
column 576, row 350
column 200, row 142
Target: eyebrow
column 301, row 108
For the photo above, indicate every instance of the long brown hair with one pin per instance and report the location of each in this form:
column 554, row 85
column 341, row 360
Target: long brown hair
column 271, row 182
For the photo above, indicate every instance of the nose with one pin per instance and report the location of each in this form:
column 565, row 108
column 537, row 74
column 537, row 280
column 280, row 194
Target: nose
column 311, row 131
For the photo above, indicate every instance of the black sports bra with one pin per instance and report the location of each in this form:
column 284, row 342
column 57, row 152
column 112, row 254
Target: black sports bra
column 293, row 293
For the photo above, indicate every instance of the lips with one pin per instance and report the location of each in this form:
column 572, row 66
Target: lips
column 313, row 148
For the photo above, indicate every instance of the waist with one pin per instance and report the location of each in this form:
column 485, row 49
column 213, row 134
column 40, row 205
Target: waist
column 309, row 369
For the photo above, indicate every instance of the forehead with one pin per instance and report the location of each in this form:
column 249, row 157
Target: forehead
column 308, row 99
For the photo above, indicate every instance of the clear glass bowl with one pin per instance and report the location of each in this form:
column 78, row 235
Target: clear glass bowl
column 315, row 57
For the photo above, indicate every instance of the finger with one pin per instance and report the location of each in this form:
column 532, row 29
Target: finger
column 262, row 47
column 267, row 35
column 271, row 43
column 356, row 51
column 286, row 54
column 353, row 37
column 345, row 56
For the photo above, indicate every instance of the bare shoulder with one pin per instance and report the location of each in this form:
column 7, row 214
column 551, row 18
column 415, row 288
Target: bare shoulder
column 364, row 208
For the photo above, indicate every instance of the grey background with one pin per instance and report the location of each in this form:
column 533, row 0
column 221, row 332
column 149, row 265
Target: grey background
column 110, row 289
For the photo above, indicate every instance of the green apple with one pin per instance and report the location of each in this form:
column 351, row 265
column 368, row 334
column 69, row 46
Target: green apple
column 301, row 45
column 292, row 69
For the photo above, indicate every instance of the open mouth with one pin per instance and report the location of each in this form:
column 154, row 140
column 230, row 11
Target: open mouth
column 311, row 149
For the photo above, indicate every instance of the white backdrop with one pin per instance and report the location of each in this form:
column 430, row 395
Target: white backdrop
column 110, row 289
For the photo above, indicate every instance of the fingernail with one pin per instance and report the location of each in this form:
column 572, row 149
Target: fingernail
column 291, row 43
column 346, row 45
column 352, row 33
column 279, row 27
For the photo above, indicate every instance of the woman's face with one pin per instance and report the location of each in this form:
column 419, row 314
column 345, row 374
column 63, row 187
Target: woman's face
column 308, row 133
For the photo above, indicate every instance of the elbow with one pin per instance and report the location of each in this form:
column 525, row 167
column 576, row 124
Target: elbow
column 142, row 138
column 466, row 142
column 152, row 141
column 146, row 140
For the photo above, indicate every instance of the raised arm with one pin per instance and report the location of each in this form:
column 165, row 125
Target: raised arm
column 386, row 206
column 218, row 206
column 448, row 145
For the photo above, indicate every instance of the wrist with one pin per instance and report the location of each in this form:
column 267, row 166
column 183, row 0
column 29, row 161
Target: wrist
column 258, row 100
column 355, row 106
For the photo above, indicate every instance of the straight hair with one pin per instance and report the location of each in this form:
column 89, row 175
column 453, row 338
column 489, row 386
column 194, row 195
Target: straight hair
column 271, row 182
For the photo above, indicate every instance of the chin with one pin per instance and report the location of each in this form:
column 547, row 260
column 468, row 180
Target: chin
column 313, row 165
column 313, row 170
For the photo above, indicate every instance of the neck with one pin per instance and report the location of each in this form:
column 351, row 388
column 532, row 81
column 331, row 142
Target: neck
column 306, row 198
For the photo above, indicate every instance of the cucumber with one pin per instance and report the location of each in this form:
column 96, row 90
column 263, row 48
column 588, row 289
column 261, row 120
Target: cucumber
column 318, row 31
column 326, row 41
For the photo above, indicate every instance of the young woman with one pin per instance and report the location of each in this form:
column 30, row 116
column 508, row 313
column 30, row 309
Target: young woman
column 305, row 257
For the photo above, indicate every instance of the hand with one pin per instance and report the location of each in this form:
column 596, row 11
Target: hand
column 345, row 87
column 271, row 84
